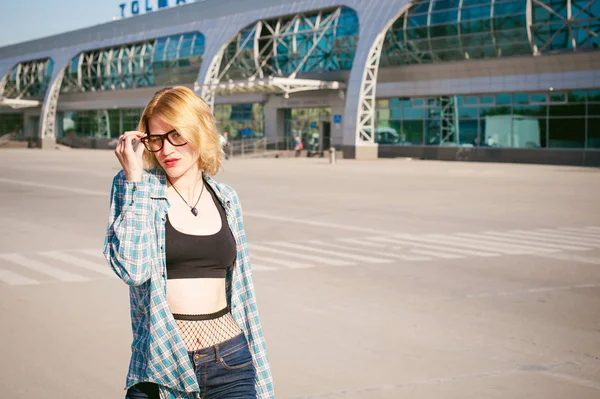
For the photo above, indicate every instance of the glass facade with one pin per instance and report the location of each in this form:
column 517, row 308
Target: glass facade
column 12, row 123
column 516, row 120
column 312, row 42
column 29, row 80
column 164, row 61
column 97, row 123
column 240, row 120
column 447, row 30
column 306, row 123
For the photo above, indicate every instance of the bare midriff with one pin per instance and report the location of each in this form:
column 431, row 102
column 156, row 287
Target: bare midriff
column 196, row 295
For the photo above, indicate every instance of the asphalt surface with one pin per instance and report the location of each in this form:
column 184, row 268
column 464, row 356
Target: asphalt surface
column 375, row 279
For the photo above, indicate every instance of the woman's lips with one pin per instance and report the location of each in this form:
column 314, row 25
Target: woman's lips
column 171, row 162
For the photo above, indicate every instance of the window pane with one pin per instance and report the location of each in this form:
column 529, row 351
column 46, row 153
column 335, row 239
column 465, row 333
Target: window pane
column 467, row 132
column 412, row 132
column 539, row 98
column 577, row 96
column 487, row 99
column 471, row 100
column 558, row 97
column 521, row 98
column 530, row 110
column 569, row 110
column 527, row 132
column 413, row 113
column 593, row 133
column 566, row 133
column 468, row 112
column 594, row 96
column 503, row 99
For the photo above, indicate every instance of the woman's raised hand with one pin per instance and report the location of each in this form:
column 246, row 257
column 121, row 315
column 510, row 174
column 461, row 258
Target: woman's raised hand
column 131, row 160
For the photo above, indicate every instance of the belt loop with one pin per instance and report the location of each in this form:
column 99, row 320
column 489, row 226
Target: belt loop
column 217, row 354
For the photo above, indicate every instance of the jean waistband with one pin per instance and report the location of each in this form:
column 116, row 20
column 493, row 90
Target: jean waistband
column 215, row 352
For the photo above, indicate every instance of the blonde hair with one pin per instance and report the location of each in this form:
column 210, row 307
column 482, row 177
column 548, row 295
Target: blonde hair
column 191, row 116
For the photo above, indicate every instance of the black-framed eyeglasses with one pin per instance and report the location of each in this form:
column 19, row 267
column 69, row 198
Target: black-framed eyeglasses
column 155, row 142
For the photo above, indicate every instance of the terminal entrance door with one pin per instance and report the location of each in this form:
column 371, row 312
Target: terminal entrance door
column 310, row 124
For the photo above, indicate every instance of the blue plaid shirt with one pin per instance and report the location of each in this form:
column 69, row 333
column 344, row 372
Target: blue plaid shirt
column 135, row 249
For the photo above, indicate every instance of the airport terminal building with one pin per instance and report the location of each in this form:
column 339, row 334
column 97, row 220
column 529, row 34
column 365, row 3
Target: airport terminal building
column 482, row 80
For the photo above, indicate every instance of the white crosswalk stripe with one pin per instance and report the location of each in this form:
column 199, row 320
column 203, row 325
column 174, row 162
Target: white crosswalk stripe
column 553, row 238
column 11, row 278
column 431, row 244
column 579, row 232
column 282, row 262
column 42, row 268
column 413, row 254
column 34, row 268
column 318, row 259
column 554, row 233
column 518, row 246
column 463, row 242
column 367, row 259
column 496, row 235
column 81, row 263
column 572, row 258
column 388, row 253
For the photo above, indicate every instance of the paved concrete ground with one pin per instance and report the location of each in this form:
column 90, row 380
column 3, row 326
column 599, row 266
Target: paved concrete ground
column 386, row 279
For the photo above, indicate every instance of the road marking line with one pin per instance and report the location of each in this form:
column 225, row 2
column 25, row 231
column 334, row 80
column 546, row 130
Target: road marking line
column 531, row 241
column 15, row 279
column 493, row 241
column 580, row 232
column 579, row 381
column 553, row 238
column 526, row 235
column 436, row 254
column 570, row 236
column 571, row 257
column 406, row 239
column 81, row 263
column 283, row 262
column 262, row 268
column 92, row 252
column 317, row 223
column 463, row 242
column 320, row 259
column 347, row 248
column 520, row 292
column 55, row 187
column 362, row 258
column 42, row 268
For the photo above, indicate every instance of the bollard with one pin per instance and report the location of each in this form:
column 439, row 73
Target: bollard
column 332, row 155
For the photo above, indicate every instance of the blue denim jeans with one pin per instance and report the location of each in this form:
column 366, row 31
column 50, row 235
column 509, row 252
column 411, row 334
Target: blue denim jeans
column 223, row 371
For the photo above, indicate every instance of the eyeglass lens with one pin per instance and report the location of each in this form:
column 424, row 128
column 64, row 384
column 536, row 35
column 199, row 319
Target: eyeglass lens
column 155, row 142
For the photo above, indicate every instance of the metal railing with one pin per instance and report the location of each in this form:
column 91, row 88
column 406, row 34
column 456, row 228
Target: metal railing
column 247, row 147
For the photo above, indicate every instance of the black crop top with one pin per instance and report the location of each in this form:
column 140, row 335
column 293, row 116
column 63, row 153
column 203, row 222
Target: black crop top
column 200, row 256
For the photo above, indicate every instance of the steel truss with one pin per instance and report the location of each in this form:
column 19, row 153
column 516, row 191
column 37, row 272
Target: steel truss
column 367, row 100
column 258, row 57
column 572, row 24
column 25, row 84
column 132, row 65
column 51, row 103
column 115, row 68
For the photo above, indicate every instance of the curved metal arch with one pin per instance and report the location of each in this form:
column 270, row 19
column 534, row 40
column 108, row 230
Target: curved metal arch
column 31, row 79
column 3, row 81
column 280, row 31
column 49, row 107
column 365, row 127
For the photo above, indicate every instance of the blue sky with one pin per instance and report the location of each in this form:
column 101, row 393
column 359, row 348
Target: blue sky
column 23, row 20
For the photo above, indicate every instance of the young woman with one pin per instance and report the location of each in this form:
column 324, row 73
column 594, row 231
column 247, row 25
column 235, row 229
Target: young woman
column 177, row 238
